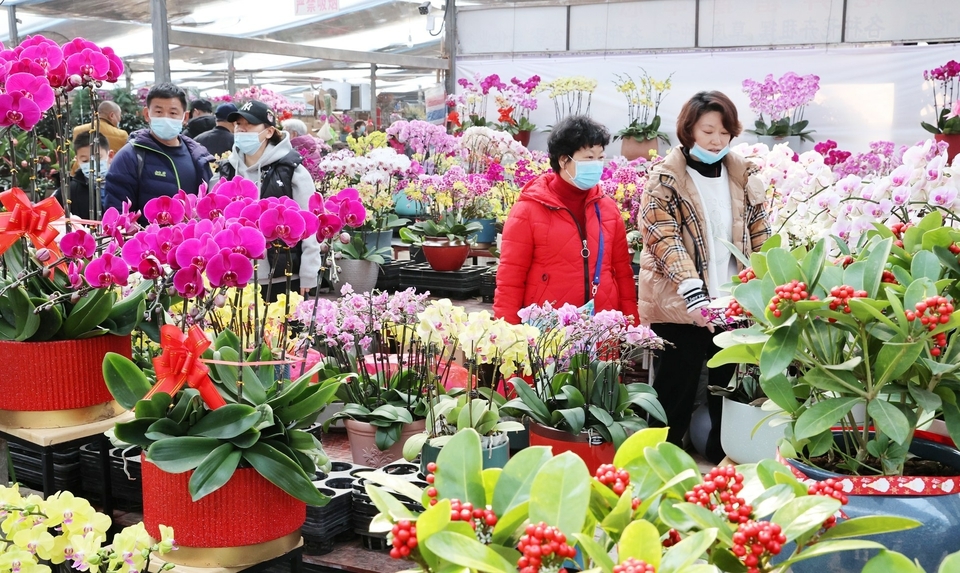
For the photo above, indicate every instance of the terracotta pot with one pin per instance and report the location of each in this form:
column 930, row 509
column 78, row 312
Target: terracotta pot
column 444, row 256
column 953, row 141
column 361, row 275
column 58, row 383
column 593, row 452
column 248, row 520
column 523, row 137
column 633, row 148
column 363, row 443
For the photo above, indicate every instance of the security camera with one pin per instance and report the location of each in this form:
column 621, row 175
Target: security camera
column 424, row 8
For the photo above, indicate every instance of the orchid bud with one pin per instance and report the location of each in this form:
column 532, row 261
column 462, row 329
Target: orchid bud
column 75, row 80
column 46, row 159
column 151, row 296
column 44, row 255
column 47, row 272
column 172, row 291
column 324, row 248
column 219, row 301
column 24, row 163
column 146, row 316
column 194, row 311
column 75, row 298
column 344, row 238
column 14, row 142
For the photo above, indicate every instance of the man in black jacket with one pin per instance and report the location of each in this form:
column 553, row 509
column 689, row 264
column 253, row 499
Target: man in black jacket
column 201, row 118
column 79, row 181
column 219, row 140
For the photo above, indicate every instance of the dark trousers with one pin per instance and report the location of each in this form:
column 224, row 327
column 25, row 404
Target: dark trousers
column 677, row 371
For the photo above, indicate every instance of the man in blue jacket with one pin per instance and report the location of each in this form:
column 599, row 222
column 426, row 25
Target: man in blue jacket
column 158, row 161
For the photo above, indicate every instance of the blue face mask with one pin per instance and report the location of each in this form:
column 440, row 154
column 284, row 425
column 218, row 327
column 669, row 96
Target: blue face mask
column 246, row 142
column 708, row 157
column 104, row 167
column 588, row 174
column 165, row 128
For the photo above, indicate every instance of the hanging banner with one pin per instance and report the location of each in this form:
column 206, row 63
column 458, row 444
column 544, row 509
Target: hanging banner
column 435, row 99
column 312, row 7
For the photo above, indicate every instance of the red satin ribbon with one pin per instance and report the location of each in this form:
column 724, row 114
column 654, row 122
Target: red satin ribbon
column 180, row 364
column 23, row 218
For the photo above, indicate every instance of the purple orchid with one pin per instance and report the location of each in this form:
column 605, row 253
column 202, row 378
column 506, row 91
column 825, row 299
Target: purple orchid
column 196, row 252
column 19, row 110
column 78, row 244
column 32, row 87
column 89, row 63
column 241, row 239
column 164, row 211
column 229, row 269
column 106, row 271
column 189, row 282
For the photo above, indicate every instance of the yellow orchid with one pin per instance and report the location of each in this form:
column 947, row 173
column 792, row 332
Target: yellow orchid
column 36, row 540
column 86, row 552
column 89, row 522
column 128, row 546
column 63, row 508
column 20, row 561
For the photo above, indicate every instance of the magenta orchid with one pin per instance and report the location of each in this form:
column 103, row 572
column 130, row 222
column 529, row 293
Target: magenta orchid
column 36, row 88
column 107, row 270
column 196, row 252
column 330, row 226
column 243, row 240
column 229, row 269
column 164, row 211
column 282, row 223
column 212, row 206
column 19, row 110
column 189, row 282
column 78, row 244
column 89, row 63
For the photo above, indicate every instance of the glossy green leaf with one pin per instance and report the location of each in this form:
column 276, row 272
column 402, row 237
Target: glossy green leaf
column 134, row 432
column 177, row 455
column 387, row 503
column 155, row 407
column 685, row 553
column 869, row 525
column 458, row 469
column 812, row 264
column 832, row 546
column 779, row 389
column 895, row 358
column 779, row 350
column 669, row 461
column 468, row 552
column 226, row 422
column 284, row 473
column 510, row 522
column 890, row 562
column 737, row 354
column 125, row 381
column 595, row 552
column 804, row 514
column 490, row 478
column 214, row 471
column 621, row 515
column 950, row 563
column 641, row 540
column 875, row 265
column 89, row 312
column 822, row 416
column 772, row 499
column 633, row 448
column 26, row 321
column 889, row 420
column 433, row 520
column 164, row 428
column 560, row 493
column 782, row 266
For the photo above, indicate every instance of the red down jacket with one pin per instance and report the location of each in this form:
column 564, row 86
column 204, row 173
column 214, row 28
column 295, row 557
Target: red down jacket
column 541, row 261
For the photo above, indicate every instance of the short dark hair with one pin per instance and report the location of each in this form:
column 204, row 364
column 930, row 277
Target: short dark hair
column 203, row 105
column 572, row 134
column 166, row 90
column 701, row 103
column 277, row 136
column 83, row 140
column 358, row 123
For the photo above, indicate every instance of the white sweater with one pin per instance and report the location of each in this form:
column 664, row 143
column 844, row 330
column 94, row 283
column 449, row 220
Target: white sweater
column 718, row 211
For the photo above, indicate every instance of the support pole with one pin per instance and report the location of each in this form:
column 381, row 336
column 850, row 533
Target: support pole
column 161, row 40
column 231, row 75
column 373, row 97
column 12, row 19
column 450, row 45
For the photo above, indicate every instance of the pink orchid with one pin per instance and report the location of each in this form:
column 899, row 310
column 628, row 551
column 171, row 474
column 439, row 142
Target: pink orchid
column 234, row 211
column 212, row 205
column 330, row 226
column 189, row 201
column 198, row 228
column 18, row 110
column 196, row 252
column 229, row 269
column 78, row 244
column 955, row 111
column 106, row 271
column 236, row 189
column 150, row 268
column 164, row 211
column 74, row 273
column 315, row 205
column 89, row 63
column 27, row 66
column 241, row 239
column 189, row 282
column 33, row 87
column 282, row 223
column 116, row 65
column 46, row 53
column 77, row 45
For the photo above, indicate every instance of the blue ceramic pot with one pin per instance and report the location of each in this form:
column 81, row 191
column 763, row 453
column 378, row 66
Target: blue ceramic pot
column 929, row 543
column 376, row 240
column 488, row 233
column 404, row 207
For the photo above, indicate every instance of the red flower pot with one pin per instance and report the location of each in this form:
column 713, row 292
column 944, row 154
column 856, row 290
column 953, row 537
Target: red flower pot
column 522, row 137
column 953, row 141
column 593, row 454
column 58, row 376
column 248, row 520
column 444, row 256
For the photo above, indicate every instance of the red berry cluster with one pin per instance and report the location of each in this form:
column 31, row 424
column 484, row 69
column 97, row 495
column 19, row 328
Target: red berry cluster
column 844, row 261
column 633, row 565
column 672, row 538
column 615, row 479
column 793, row 291
column 829, row 488
column 934, row 311
column 898, row 230
column 404, row 535
column 888, row 277
column 756, row 541
column 460, row 511
column 543, row 545
column 955, row 248
column 720, row 488
column 734, row 310
column 747, row 275
column 842, row 295
column 431, row 491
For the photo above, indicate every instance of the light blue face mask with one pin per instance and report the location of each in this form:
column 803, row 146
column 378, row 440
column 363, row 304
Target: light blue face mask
column 706, row 156
column 85, row 169
column 588, row 174
column 165, row 128
column 247, row 143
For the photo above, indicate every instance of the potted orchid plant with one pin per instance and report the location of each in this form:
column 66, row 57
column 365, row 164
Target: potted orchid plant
column 471, row 103
column 514, row 104
column 946, row 105
column 642, row 133
column 782, row 101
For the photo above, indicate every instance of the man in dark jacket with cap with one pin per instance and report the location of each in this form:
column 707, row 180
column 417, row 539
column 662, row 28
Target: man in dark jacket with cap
column 219, row 140
column 201, row 118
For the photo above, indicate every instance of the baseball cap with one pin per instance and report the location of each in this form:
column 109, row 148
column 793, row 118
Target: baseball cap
column 224, row 110
column 201, row 104
column 256, row 112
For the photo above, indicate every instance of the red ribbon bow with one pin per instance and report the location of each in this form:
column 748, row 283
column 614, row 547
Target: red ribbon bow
column 180, row 364
column 25, row 218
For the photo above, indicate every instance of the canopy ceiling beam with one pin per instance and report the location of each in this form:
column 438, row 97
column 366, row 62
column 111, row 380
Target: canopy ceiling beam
column 230, row 43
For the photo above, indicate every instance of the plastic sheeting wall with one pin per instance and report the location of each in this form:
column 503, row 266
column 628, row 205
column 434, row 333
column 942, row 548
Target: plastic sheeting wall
column 866, row 93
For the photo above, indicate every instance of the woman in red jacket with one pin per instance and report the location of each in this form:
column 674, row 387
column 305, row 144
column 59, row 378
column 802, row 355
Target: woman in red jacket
column 564, row 240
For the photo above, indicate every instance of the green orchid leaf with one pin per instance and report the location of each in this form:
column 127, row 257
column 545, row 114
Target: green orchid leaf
column 214, row 471
column 284, row 473
column 180, row 454
column 226, row 422
column 126, row 382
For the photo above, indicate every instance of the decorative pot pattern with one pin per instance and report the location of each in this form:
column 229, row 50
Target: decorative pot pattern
column 361, row 275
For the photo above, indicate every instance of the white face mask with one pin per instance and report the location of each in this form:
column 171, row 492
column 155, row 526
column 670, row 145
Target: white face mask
column 165, row 128
column 247, row 142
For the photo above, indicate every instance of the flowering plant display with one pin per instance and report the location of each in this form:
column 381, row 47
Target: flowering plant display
column 643, row 105
column 63, row 530
column 426, row 141
column 375, row 176
column 650, row 511
column 515, row 102
column 366, row 143
column 570, row 95
column 471, row 102
column 623, row 181
column 946, row 98
column 576, row 363
column 782, row 101
column 873, row 328
column 214, row 401
column 275, row 101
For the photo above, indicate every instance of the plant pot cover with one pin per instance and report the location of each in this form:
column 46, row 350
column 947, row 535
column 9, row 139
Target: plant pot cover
column 363, row 444
column 593, row 453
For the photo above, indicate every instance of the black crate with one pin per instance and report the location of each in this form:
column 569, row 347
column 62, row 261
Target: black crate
column 488, row 285
column 66, row 467
column 461, row 284
column 125, row 484
column 389, row 278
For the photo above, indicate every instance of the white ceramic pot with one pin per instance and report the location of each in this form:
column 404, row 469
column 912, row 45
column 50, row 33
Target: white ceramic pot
column 737, row 436
column 362, row 275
